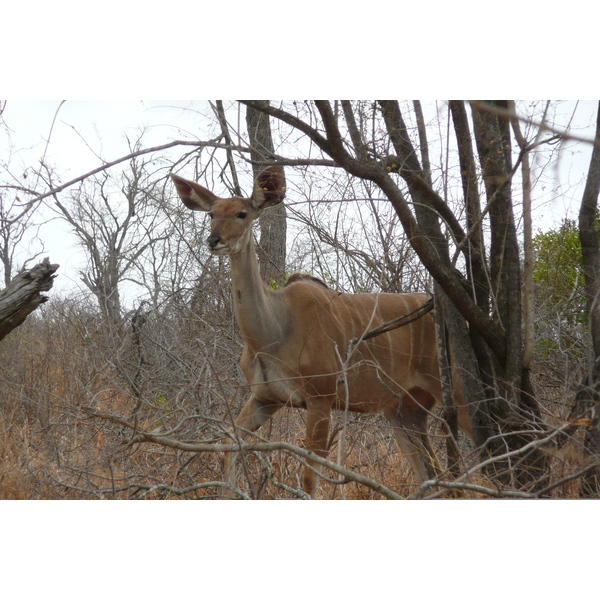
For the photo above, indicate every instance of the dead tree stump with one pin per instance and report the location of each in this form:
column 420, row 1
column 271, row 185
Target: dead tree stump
column 24, row 294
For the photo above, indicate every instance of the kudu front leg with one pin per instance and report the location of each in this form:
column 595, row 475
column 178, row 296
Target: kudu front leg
column 317, row 436
column 255, row 413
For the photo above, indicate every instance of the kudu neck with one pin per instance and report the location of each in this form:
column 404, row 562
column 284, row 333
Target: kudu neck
column 257, row 311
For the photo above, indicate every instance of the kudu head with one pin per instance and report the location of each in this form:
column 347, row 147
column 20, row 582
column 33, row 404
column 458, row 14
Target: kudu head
column 232, row 218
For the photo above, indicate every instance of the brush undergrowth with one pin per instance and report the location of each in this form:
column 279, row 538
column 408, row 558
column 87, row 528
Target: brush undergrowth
column 178, row 375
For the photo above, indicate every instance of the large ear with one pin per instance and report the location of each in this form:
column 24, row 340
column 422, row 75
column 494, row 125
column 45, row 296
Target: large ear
column 193, row 195
column 269, row 188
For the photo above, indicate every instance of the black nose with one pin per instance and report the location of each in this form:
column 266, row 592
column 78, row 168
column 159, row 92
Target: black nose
column 212, row 241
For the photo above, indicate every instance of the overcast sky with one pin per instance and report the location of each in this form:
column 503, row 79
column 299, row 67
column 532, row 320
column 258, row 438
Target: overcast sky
column 83, row 133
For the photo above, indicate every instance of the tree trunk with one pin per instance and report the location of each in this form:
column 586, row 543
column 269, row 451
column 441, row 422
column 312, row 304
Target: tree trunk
column 519, row 412
column 476, row 267
column 587, row 401
column 273, row 225
column 104, row 284
column 493, row 145
column 24, row 294
column 588, row 234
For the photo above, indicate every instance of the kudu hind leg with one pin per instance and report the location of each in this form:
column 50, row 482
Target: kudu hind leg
column 409, row 426
column 256, row 412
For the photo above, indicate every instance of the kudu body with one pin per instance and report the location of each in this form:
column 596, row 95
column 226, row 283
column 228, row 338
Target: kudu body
column 297, row 338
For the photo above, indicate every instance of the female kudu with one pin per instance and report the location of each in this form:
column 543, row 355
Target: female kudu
column 296, row 338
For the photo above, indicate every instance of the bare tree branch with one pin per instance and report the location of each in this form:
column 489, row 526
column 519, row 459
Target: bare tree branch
column 161, row 440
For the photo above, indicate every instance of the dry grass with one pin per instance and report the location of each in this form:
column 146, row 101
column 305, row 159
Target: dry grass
column 62, row 364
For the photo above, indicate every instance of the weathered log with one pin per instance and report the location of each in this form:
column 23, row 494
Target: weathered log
column 24, row 294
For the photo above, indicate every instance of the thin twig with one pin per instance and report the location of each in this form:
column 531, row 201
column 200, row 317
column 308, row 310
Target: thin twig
column 413, row 315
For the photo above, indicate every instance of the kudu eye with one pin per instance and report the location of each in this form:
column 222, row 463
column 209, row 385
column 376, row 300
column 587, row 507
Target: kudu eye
column 242, row 215
column 210, row 215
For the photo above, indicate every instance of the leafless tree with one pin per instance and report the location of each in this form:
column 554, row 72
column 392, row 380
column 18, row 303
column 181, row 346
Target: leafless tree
column 273, row 225
column 16, row 221
column 115, row 228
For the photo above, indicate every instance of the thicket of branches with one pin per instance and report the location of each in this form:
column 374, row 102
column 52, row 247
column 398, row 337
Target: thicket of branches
column 107, row 398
